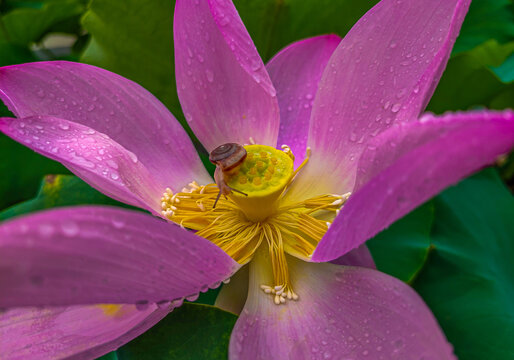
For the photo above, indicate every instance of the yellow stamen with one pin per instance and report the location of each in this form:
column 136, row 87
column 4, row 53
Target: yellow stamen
column 242, row 224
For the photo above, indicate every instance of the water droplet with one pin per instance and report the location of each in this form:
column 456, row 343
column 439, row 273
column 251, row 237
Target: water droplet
column 193, row 297
column 224, row 20
column 163, row 304
column 257, row 78
column 215, row 285
column 70, row 228
column 401, row 93
column 210, row 75
column 395, row 108
column 256, row 64
column 64, row 126
column 133, row 157
column 177, row 302
column 118, row 224
column 113, row 164
column 46, row 229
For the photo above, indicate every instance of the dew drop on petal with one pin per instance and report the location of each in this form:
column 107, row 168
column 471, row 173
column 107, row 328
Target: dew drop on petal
column 163, row 304
column 133, row 157
column 118, row 224
column 193, row 297
column 395, row 108
column 70, row 228
column 210, row 75
column 46, row 230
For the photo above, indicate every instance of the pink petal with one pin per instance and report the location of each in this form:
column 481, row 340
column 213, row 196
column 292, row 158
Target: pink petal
column 384, row 70
column 342, row 313
column 408, row 164
column 81, row 332
column 223, row 86
column 101, row 255
column 110, row 104
column 96, row 158
column 296, row 72
column 360, row 256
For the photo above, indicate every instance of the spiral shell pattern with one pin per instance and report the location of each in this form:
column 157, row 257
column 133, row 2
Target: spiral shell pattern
column 228, row 156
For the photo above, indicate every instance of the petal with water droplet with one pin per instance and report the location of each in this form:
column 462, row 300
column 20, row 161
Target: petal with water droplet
column 229, row 96
column 341, row 313
column 91, row 155
column 296, row 71
column 408, row 164
column 110, row 104
column 62, row 332
column 145, row 261
column 364, row 79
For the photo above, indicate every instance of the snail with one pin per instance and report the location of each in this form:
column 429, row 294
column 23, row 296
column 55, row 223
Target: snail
column 226, row 157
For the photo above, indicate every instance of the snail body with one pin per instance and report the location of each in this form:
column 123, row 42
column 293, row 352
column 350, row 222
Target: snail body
column 226, row 157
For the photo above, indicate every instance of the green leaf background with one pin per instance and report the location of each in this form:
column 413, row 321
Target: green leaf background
column 454, row 250
column 468, row 278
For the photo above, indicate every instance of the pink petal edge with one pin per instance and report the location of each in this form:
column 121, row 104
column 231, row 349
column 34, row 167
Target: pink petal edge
column 385, row 70
column 109, row 104
column 223, row 86
column 93, row 156
column 103, row 255
column 408, row 164
column 81, row 332
column 342, row 313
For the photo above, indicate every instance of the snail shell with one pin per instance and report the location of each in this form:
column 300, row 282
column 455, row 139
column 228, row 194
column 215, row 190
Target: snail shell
column 228, row 156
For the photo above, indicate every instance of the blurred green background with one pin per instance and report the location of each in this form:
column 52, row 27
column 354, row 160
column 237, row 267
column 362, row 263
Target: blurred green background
column 455, row 250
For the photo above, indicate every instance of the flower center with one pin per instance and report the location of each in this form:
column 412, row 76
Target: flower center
column 242, row 223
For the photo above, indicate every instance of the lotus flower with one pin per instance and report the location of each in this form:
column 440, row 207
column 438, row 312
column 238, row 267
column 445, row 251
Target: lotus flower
column 352, row 105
